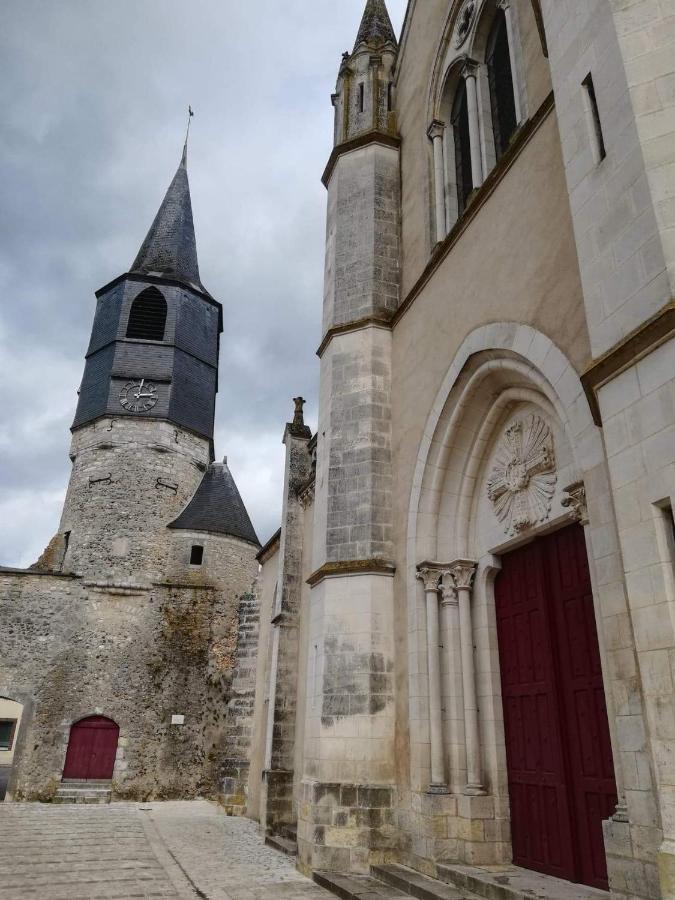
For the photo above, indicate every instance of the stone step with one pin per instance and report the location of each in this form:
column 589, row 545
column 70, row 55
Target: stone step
column 282, row 844
column 351, row 887
column 510, row 882
column 414, row 884
column 84, row 792
column 290, row 832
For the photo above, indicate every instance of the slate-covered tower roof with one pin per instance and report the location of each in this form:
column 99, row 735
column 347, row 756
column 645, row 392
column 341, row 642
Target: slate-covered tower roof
column 155, row 340
column 217, row 507
column 376, row 28
column 170, row 249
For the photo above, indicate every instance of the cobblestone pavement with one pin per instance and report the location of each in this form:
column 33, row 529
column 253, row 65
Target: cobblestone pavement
column 177, row 850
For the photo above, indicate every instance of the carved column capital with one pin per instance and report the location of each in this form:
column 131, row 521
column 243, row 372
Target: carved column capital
column 430, row 575
column 449, row 595
column 436, row 130
column 463, row 572
column 470, row 69
column 576, row 501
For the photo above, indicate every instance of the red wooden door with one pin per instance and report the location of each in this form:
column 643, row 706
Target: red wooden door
column 92, row 748
column 560, row 770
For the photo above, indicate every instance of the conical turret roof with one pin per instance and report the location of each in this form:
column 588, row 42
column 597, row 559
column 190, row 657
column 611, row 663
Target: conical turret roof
column 170, row 249
column 217, row 506
column 376, row 27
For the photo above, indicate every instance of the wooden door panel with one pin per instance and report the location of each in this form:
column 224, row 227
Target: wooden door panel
column 559, row 759
column 92, row 748
column 540, row 817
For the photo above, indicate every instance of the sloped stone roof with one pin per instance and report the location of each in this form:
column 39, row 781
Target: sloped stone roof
column 376, row 27
column 217, row 506
column 170, row 248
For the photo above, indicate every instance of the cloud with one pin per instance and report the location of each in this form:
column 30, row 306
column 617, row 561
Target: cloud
column 93, row 100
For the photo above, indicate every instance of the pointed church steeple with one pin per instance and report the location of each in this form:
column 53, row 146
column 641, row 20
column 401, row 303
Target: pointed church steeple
column 376, row 28
column 170, row 248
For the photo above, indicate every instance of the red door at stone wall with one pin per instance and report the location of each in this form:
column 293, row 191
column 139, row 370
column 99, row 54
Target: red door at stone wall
column 92, row 748
column 559, row 760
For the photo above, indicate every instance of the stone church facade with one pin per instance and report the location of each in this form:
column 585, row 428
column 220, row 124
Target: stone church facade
column 467, row 623
column 459, row 651
column 124, row 648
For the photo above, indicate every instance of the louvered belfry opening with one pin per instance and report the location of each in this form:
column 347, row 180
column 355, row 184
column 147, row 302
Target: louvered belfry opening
column 147, row 319
column 500, row 78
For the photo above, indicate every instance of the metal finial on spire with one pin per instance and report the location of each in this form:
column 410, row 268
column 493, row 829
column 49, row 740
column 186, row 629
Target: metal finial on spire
column 187, row 135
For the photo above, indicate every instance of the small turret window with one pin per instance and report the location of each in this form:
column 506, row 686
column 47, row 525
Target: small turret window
column 362, row 97
column 196, row 555
column 147, row 318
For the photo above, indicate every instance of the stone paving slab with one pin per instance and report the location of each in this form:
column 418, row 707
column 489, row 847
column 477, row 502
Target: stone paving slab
column 182, row 851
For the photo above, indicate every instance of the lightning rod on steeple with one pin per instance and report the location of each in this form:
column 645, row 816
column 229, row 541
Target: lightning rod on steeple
column 187, row 134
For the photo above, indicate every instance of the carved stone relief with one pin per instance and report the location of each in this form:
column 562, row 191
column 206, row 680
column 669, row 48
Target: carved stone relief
column 523, row 478
column 464, row 22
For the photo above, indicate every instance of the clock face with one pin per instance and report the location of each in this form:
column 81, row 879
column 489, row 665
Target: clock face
column 138, row 396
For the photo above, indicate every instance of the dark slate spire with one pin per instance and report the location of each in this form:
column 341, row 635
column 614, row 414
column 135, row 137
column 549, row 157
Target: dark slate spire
column 169, row 249
column 217, row 506
column 376, row 28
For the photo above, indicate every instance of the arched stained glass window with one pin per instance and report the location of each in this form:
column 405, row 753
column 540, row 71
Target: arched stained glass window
column 500, row 76
column 147, row 318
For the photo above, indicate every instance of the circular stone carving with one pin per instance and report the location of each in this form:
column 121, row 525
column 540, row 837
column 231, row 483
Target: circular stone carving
column 464, row 22
column 523, row 478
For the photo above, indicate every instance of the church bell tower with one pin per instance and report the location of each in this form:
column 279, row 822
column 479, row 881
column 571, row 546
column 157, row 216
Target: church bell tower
column 143, row 429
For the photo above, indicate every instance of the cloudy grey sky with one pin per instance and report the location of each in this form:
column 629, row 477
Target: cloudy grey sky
column 93, row 100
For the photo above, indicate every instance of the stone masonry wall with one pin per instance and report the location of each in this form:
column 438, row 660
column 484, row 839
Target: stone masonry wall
column 130, row 479
column 70, row 648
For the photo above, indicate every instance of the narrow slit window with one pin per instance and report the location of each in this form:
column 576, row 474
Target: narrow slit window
column 593, row 115
column 390, row 97
column 362, row 97
column 147, row 317
column 196, row 555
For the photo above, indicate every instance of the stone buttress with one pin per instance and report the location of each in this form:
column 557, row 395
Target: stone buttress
column 347, row 791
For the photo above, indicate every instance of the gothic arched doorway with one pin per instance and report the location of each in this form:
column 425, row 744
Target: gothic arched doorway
column 558, row 750
column 92, row 748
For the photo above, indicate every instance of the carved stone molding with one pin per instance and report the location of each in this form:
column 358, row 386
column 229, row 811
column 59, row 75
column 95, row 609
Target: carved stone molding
column 464, row 22
column 524, row 477
column 576, row 501
column 463, row 572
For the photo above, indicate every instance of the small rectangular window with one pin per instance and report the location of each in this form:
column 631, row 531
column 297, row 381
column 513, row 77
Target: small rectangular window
column 362, row 97
column 196, row 555
column 593, row 117
column 390, row 97
column 7, row 728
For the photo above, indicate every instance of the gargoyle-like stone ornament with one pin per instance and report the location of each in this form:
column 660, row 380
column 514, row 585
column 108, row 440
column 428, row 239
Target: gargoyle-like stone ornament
column 464, row 21
column 523, row 478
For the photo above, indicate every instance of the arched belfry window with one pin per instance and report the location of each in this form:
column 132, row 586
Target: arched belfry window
column 147, row 318
column 462, row 141
column 500, row 77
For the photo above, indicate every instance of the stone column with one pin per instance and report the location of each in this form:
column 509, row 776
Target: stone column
column 470, row 75
column 508, row 16
column 452, row 653
column 436, row 133
column 430, row 576
column 463, row 572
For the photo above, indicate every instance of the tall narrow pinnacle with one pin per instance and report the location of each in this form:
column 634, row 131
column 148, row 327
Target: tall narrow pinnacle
column 170, row 249
column 376, row 28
